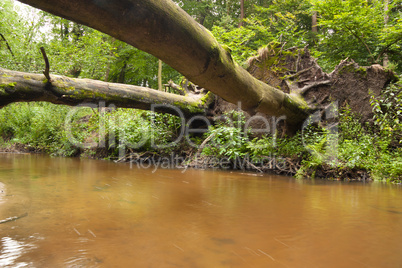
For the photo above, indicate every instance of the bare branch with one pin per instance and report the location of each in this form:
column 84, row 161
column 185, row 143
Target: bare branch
column 8, row 47
column 47, row 65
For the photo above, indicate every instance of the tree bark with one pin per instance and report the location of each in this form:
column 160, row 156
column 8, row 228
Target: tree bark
column 241, row 13
column 20, row 86
column 164, row 30
column 314, row 28
column 160, row 75
column 385, row 61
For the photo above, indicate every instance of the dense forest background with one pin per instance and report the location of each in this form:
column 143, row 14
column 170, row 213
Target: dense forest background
column 368, row 32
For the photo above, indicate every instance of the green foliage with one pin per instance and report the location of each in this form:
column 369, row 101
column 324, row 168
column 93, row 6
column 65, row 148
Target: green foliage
column 43, row 126
column 389, row 167
column 241, row 41
column 285, row 22
column 130, row 65
column 349, row 125
column 388, row 113
column 39, row 125
column 357, row 154
column 19, row 34
column 357, row 29
column 357, row 148
column 354, row 148
column 289, row 147
column 211, row 13
column 228, row 138
column 142, row 130
column 288, row 21
column 85, row 54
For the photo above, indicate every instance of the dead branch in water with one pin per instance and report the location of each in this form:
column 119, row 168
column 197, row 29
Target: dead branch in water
column 14, row 218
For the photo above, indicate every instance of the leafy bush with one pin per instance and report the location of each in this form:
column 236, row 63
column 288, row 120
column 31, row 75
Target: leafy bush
column 137, row 130
column 291, row 147
column 40, row 125
column 43, row 127
column 227, row 137
column 388, row 114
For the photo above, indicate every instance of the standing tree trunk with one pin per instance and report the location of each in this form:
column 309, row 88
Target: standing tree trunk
column 385, row 62
column 241, row 13
column 122, row 75
column 314, row 28
column 160, row 75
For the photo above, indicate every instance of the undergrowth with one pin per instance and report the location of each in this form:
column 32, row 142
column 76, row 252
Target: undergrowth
column 354, row 151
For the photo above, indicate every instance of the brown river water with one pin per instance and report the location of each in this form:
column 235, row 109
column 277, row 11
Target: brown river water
column 89, row 213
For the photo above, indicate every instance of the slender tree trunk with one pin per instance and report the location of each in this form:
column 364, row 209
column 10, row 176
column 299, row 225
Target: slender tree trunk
column 201, row 20
column 241, row 13
column 122, row 74
column 314, row 28
column 107, row 72
column 385, row 61
column 160, row 75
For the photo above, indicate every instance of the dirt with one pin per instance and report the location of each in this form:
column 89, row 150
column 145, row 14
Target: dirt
column 295, row 71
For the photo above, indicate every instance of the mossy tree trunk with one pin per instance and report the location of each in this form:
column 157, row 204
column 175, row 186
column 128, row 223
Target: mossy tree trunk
column 20, row 86
column 164, row 30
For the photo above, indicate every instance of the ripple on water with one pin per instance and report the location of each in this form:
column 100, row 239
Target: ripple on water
column 11, row 250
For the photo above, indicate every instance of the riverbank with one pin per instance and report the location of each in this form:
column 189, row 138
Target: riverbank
column 347, row 151
column 274, row 165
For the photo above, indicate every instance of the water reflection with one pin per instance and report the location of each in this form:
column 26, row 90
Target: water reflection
column 11, row 250
column 84, row 213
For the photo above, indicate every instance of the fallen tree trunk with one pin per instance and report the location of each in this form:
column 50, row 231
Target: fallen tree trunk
column 164, row 30
column 20, row 86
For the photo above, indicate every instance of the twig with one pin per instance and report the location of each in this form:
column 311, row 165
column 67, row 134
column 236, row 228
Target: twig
column 14, row 218
column 8, row 46
column 280, row 52
column 47, row 67
column 253, row 166
column 362, row 41
column 203, row 144
column 298, row 61
column 385, row 49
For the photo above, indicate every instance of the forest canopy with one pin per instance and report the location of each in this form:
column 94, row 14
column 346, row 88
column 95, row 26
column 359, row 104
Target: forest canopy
column 365, row 31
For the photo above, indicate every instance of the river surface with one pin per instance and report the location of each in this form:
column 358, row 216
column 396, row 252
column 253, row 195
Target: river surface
column 89, row 213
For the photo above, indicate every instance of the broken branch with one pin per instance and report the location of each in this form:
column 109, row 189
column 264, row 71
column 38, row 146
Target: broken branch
column 8, row 46
column 47, row 66
column 14, row 218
